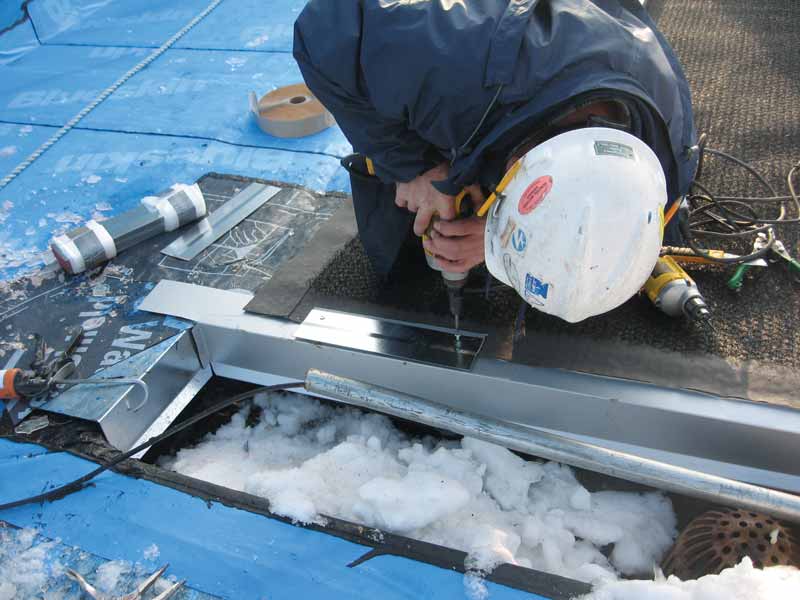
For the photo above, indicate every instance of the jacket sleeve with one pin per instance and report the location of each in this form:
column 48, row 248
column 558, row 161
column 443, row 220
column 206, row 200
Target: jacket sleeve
column 327, row 47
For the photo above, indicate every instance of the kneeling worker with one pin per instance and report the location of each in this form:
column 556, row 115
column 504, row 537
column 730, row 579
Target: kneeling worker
column 568, row 122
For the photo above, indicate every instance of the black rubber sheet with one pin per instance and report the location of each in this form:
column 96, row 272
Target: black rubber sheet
column 104, row 301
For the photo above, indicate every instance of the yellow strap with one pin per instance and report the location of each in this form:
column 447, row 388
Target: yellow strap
column 459, row 199
column 370, row 165
column 672, row 210
column 499, row 189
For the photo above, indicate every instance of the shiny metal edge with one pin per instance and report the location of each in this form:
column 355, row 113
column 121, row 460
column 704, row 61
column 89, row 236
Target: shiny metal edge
column 388, row 337
column 167, row 368
column 171, row 412
column 216, row 224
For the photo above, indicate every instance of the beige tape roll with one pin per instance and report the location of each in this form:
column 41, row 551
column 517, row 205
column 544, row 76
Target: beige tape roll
column 290, row 112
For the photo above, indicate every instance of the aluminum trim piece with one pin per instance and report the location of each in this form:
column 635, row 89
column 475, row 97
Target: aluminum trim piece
column 748, row 441
column 174, row 408
column 387, row 337
column 168, row 368
column 216, row 224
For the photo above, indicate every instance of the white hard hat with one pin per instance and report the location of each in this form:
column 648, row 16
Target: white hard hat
column 578, row 222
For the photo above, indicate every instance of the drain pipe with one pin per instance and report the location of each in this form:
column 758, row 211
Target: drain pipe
column 555, row 447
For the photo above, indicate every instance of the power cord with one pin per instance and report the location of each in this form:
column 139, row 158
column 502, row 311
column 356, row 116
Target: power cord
column 80, row 483
column 712, row 215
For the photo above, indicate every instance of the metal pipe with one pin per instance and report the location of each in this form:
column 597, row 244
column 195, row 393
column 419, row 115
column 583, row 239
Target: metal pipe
column 555, row 447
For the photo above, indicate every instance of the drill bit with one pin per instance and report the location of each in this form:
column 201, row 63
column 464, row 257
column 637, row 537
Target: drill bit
column 455, row 298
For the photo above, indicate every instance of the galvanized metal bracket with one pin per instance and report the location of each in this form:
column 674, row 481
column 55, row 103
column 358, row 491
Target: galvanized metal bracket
column 173, row 374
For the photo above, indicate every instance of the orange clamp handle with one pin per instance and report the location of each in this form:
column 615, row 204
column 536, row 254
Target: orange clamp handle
column 7, row 377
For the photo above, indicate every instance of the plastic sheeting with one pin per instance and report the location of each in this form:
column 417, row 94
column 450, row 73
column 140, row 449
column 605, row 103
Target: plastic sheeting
column 219, row 550
column 185, row 115
column 188, row 93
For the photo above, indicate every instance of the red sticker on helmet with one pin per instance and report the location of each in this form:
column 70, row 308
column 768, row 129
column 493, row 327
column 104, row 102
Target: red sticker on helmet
column 534, row 194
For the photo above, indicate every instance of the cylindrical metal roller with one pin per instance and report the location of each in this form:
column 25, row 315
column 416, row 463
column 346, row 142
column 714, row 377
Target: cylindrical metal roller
column 94, row 243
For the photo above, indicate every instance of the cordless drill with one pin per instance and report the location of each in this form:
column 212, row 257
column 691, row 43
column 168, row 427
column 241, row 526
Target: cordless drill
column 454, row 282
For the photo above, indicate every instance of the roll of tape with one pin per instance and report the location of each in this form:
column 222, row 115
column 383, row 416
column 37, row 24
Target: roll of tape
column 165, row 209
column 290, row 112
column 197, row 198
column 67, row 254
column 105, row 239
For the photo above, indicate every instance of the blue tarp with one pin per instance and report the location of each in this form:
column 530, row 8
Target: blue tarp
column 185, row 115
column 220, row 550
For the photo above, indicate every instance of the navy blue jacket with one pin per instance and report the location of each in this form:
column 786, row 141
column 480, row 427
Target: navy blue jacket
column 408, row 81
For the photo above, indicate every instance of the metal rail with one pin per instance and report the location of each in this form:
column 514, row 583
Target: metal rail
column 555, row 447
column 737, row 439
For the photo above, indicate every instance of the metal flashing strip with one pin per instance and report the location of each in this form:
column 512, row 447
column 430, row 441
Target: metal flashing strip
column 387, row 337
column 204, row 233
column 748, row 441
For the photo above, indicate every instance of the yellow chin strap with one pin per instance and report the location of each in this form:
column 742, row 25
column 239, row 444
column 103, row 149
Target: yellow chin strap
column 499, row 189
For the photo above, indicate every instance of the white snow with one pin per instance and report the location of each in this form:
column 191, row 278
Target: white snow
column 25, row 565
column 743, row 582
column 313, row 460
column 8, row 151
column 151, row 552
column 773, row 536
column 34, row 567
column 66, row 217
column 257, row 41
column 236, row 62
column 92, row 179
column 109, row 575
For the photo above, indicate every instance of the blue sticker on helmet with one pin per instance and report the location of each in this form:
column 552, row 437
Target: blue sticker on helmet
column 519, row 241
column 535, row 287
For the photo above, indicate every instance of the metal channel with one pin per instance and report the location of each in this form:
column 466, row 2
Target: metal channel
column 173, row 374
column 206, row 231
column 555, row 447
column 752, row 442
column 386, row 337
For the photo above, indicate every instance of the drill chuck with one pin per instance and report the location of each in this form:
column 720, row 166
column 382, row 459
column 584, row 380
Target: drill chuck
column 455, row 294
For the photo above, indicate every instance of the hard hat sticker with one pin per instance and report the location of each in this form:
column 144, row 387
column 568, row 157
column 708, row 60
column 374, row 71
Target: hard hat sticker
column 534, row 194
column 606, row 148
column 519, row 240
column 535, row 289
column 506, row 235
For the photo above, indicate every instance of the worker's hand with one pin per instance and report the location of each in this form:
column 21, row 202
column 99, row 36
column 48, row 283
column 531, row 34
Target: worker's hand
column 419, row 196
column 458, row 245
